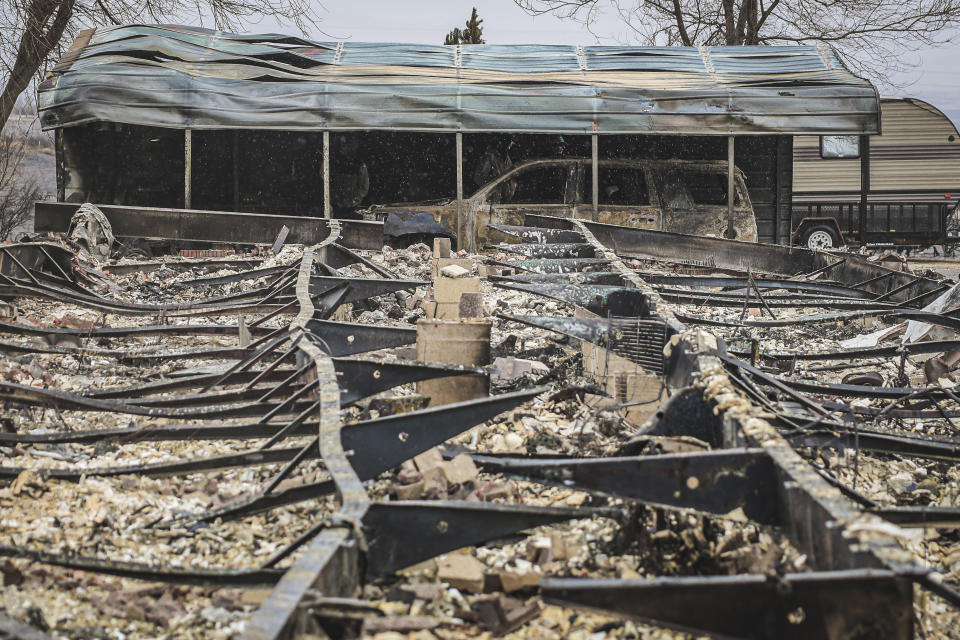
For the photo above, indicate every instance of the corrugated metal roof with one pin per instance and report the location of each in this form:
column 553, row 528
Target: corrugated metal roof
column 187, row 77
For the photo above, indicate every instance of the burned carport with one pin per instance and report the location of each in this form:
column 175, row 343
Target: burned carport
column 281, row 125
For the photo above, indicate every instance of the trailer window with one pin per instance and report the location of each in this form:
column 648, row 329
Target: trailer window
column 839, row 147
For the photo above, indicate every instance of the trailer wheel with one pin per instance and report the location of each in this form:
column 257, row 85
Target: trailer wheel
column 820, row 237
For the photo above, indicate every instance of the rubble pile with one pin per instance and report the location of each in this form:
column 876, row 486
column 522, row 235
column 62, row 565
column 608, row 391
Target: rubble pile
column 178, row 522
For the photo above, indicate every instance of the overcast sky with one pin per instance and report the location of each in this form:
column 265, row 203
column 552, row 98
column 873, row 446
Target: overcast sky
column 936, row 80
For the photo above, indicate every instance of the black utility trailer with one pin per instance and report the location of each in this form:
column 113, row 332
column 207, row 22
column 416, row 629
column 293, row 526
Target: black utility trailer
column 825, row 224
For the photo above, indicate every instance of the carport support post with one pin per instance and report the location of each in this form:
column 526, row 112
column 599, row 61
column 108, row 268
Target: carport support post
column 864, row 188
column 464, row 235
column 730, row 187
column 594, row 168
column 327, row 207
column 236, row 170
column 187, row 168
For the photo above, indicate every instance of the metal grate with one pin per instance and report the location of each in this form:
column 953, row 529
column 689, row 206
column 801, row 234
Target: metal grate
column 640, row 341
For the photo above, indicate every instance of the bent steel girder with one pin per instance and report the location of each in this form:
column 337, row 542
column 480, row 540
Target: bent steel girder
column 808, row 508
column 801, row 286
column 128, row 332
column 362, row 377
column 365, row 288
column 556, row 250
column 160, row 469
column 543, row 235
column 578, row 277
column 400, row 534
column 138, row 571
column 377, row 445
column 716, row 482
column 12, row 629
column 347, row 338
column 937, row 319
column 600, row 299
column 553, row 265
column 160, row 433
column 36, row 396
column 214, row 226
column 846, row 269
column 810, row 606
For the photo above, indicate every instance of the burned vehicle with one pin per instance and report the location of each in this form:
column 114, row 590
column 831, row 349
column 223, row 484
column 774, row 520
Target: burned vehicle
column 669, row 195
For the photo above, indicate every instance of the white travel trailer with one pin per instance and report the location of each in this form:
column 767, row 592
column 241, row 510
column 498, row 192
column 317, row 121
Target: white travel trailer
column 914, row 180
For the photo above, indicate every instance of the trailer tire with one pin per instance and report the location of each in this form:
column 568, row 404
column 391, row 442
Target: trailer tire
column 820, row 237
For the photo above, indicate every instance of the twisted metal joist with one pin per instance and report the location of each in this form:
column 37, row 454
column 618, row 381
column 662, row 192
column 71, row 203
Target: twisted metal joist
column 861, row 583
column 337, row 547
column 299, row 393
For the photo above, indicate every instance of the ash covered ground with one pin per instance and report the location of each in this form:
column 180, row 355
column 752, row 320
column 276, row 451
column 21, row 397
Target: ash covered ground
column 484, row 591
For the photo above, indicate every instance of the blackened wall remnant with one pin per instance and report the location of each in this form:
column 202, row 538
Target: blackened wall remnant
column 281, row 172
column 113, row 163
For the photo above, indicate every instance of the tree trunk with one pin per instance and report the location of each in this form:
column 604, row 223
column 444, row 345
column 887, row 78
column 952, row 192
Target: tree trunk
column 752, row 9
column 40, row 36
column 730, row 26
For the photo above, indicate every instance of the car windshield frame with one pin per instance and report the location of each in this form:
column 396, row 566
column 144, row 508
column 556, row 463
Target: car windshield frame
column 526, row 164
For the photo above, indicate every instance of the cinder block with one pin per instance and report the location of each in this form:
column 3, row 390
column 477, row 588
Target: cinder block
column 464, row 342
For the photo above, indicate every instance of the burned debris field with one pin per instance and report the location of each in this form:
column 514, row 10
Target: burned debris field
column 379, row 340
column 584, row 431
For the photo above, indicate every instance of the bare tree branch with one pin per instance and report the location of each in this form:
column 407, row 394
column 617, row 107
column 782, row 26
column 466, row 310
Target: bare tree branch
column 33, row 33
column 872, row 35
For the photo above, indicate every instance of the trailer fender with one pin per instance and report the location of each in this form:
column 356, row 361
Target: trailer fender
column 806, row 225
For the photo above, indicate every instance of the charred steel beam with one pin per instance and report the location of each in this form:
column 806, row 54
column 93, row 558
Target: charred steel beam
column 378, row 445
column 12, row 629
column 158, row 433
column 861, row 391
column 933, row 346
column 211, row 226
column 715, row 482
column 129, row 332
column 403, row 533
column 208, row 264
column 553, row 265
column 600, row 299
column 878, row 442
column 947, row 517
column 810, row 506
column 263, row 502
column 252, row 274
column 138, row 571
column 558, row 250
column 938, row 319
column 329, row 300
column 158, row 469
column 359, row 378
column 580, row 277
column 337, row 256
column 187, row 382
column 40, row 397
column 364, row 288
column 82, row 297
column 777, row 302
column 763, row 283
column 629, row 242
column 809, row 606
column 539, row 234
column 330, row 562
column 347, row 338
